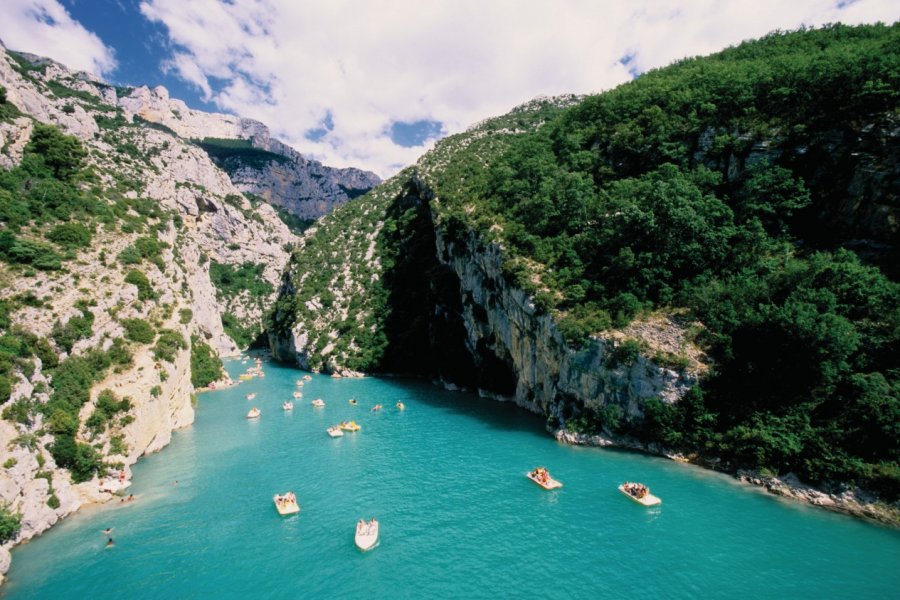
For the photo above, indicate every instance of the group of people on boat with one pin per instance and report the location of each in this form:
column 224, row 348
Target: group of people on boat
column 366, row 527
column 541, row 475
column 638, row 490
column 288, row 499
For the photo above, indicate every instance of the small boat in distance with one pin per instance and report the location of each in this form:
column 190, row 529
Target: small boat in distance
column 287, row 405
column 287, row 504
column 335, row 431
column 353, row 401
column 253, row 414
column 640, row 493
column 318, row 403
column 251, row 396
column 377, row 407
column 298, row 395
column 401, row 406
column 541, row 476
column 350, row 426
column 366, row 534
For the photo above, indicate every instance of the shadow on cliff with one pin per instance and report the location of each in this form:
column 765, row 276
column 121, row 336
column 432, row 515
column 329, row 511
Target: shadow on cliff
column 425, row 333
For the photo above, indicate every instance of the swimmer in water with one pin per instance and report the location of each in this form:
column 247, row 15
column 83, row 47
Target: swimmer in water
column 110, row 543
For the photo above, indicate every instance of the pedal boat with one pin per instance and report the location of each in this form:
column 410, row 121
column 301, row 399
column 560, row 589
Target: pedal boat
column 647, row 499
column 549, row 484
column 366, row 534
column 287, row 504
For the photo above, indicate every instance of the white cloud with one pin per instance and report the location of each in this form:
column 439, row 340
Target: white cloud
column 289, row 63
column 45, row 27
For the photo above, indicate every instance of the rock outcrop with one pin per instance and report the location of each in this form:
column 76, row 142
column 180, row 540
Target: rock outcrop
column 504, row 330
column 278, row 174
column 165, row 192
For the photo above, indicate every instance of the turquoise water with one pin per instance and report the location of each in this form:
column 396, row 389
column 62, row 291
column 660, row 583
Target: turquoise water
column 458, row 518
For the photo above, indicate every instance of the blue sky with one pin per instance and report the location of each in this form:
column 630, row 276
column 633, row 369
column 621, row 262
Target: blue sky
column 373, row 83
column 140, row 46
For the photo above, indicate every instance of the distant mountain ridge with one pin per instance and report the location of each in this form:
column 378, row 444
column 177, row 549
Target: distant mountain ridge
column 304, row 187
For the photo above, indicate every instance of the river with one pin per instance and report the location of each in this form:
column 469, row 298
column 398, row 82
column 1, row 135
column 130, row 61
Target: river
column 446, row 480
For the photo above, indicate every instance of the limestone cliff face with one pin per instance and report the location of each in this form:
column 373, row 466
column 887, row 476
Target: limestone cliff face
column 160, row 187
column 303, row 187
column 544, row 374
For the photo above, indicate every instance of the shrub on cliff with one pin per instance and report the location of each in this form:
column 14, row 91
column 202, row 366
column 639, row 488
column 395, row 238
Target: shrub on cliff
column 143, row 285
column 76, row 328
column 138, row 330
column 168, row 345
column 206, row 366
column 10, row 523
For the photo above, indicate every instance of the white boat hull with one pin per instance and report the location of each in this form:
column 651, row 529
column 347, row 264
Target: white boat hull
column 367, row 537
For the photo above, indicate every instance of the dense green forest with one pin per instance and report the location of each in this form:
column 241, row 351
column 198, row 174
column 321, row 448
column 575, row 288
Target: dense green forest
column 702, row 186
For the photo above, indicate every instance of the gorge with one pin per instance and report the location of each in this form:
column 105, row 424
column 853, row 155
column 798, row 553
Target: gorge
column 699, row 264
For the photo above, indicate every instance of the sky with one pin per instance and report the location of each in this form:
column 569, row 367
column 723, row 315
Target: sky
column 374, row 83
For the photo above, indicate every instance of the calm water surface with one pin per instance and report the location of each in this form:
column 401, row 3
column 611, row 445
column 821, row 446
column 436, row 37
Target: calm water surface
column 458, row 518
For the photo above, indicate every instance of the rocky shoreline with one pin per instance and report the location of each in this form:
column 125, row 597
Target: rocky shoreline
column 853, row 502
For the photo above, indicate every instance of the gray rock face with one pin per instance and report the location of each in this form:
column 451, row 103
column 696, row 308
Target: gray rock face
column 204, row 219
column 503, row 328
column 303, row 187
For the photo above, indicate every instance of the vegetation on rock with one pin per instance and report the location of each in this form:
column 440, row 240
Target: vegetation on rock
column 713, row 186
column 206, row 366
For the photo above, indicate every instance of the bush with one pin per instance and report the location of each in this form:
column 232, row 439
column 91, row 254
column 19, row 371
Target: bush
column 86, row 463
column 231, row 281
column 63, row 154
column 139, row 280
column 5, row 388
column 27, row 252
column 144, row 248
column 76, row 328
column 117, row 445
column 70, row 235
column 10, row 524
column 19, row 411
column 138, row 330
column 206, row 366
column 168, row 345
column 107, row 406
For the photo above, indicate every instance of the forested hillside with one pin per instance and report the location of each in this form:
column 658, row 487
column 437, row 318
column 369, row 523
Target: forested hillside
column 752, row 193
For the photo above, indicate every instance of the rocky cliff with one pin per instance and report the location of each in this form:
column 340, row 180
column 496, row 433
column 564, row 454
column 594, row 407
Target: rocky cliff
column 162, row 240
column 263, row 166
column 406, row 293
column 592, row 259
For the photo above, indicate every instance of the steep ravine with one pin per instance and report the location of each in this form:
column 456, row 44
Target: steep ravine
column 457, row 320
column 166, row 195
